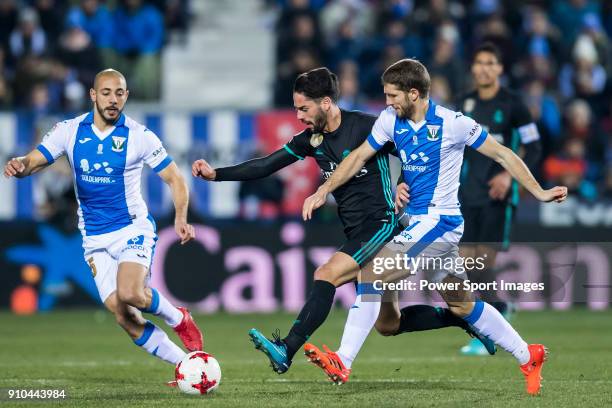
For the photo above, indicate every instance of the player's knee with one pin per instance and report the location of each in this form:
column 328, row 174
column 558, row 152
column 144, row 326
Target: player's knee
column 385, row 328
column 461, row 309
column 132, row 297
column 324, row 272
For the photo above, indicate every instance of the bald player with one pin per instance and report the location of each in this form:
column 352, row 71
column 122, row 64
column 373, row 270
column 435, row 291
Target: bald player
column 107, row 151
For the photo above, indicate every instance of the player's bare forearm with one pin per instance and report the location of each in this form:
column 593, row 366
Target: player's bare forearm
column 20, row 167
column 519, row 171
column 349, row 167
column 179, row 190
column 180, row 197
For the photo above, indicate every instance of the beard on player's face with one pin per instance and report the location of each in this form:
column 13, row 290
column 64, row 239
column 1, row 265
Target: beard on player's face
column 110, row 113
column 406, row 110
column 319, row 121
column 399, row 100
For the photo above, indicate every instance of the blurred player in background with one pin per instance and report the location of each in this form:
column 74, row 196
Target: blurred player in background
column 106, row 151
column 431, row 141
column 365, row 207
column 488, row 194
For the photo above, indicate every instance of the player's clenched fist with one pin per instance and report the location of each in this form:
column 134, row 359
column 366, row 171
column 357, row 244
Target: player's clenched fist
column 202, row 169
column 14, row 167
column 185, row 231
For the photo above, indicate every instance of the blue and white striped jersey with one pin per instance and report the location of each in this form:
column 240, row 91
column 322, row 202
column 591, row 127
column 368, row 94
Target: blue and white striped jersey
column 107, row 167
column 431, row 153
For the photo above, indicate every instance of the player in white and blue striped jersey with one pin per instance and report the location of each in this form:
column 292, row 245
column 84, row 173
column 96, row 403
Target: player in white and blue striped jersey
column 107, row 151
column 430, row 140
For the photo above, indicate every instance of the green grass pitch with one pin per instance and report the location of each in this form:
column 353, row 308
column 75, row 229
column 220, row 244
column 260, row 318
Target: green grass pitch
column 86, row 354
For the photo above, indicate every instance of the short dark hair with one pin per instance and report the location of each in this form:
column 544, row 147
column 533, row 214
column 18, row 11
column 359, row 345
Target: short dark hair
column 317, row 84
column 407, row 74
column 490, row 48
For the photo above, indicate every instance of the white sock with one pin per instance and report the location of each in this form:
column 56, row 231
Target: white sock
column 359, row 323
column 160, row 306
column 488, row 321
column 156, row 342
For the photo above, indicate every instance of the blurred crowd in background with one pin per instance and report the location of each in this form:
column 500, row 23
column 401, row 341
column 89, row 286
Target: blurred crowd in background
column 50, row 50
column 556, row 53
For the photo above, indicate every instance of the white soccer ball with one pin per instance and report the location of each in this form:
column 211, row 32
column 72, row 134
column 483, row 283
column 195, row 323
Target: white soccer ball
column 198, row 373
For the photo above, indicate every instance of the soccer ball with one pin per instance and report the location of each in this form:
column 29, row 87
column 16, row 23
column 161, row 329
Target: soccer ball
column 198, row 373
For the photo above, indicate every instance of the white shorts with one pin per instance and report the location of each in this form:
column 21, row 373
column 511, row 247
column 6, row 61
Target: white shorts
column 431, row 236
column 104, row 253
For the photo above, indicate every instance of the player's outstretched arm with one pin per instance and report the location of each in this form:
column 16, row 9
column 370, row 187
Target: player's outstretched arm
column 519, row 170
column 24, row 166
column 180, row 196
column 500, row 184
column 249, row 170
column 347, row 169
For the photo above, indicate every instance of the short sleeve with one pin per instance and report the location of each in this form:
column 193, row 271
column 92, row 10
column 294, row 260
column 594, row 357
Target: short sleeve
column 382, row 131
column 523, row 123
column 300, row 145
column 154, row 153
column 467, row 132
column 55, row 142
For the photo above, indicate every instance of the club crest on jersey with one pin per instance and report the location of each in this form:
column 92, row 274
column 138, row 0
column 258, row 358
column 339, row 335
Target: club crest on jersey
column 118, row 144
column 316, row 139
column 432, row 132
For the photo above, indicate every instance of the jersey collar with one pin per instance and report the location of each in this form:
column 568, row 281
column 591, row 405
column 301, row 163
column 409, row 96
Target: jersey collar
column 430, row 115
